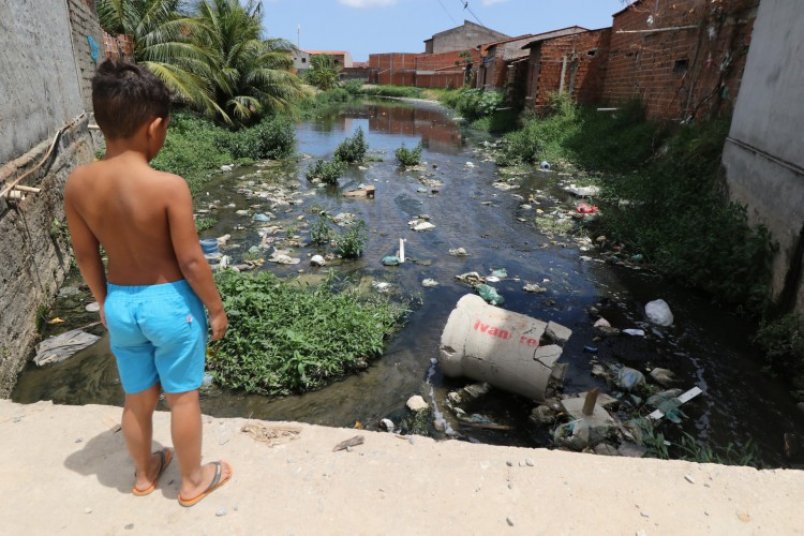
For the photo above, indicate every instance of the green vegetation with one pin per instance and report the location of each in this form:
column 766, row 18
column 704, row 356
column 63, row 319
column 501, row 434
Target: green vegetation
column 473, row 104
column 195, row 147
column 350, row 243
column 285, row 337
column 212, row 56
column 783, row 343
column 662, row 197
column 353, row 150
column 409, row 157
column 320, row 232
column 391, row 91
column 204, row 223
column 328, row 171
column 324, row 72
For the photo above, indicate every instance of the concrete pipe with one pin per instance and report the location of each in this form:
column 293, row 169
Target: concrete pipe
column 510, row 351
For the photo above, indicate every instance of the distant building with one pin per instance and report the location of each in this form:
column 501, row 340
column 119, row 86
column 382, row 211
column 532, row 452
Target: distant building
column 341, row 57
column 467, row 36
column 301, row 60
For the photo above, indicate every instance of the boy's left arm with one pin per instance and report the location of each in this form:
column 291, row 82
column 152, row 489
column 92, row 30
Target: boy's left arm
column 87, row 253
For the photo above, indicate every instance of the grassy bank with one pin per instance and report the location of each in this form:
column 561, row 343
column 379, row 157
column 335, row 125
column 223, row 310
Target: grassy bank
column 662, row 195
column 196, row 147
column 286, row 338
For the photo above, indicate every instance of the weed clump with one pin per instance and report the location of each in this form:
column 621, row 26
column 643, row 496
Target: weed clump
column 285, row 338
column 353, row 150
column 351, row 243
column 473, row 104
column 783, row 343
column 326, row 171
column 272, row 138
column 409, row 157
column 320, row 232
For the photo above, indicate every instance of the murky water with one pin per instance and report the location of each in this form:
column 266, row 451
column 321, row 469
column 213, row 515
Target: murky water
column 706, row 347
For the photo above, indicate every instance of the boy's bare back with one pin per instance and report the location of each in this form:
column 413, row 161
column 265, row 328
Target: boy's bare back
column 139, row 215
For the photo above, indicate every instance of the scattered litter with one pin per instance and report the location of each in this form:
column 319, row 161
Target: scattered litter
column 401, row 253
column 689, row 479
column 281, row 256
column 58, row 348
column 681, row 400
column 93, row 307
column 497, row 346
column 387, row 425
column 662, row 376
column 544, row 165
column 261, row 218
column 242, row 212
column 318, row 260
column 582, row 191
column 364, row 191
column 634, row 332
column 557, row 332
column 222, row 240
column 221, row 512
column 416, row 404
column 490, row 294
column 602, row 323
column 502, row 273
column 628, row 378
column 470, row 278
column 209, row 246
column 429, row 283
column 586, row 208
column 504, row 186
column 349, row 443
column 658, row 312
column 391, row 260
column 227, row 167
column 271, row 435
column 381, row 286
column 470, row 165
column 458, row 252
column 534, row 288
column 344, row 218
column 55, row 320
column 420, row 225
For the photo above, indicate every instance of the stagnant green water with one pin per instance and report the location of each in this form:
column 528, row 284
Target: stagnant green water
column 706, row 347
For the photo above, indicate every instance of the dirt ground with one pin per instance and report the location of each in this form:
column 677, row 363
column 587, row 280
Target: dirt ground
column 64, row 470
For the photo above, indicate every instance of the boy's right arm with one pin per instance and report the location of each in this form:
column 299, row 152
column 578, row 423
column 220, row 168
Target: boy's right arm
column 190, row 257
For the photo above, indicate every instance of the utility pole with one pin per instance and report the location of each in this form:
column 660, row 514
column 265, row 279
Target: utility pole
column 298, row 36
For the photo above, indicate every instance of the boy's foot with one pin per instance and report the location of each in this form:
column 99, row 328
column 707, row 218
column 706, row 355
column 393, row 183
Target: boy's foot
column 214, row 475
column 146, row 484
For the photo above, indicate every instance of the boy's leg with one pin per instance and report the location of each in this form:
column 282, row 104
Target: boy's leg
column 137, row 426
column 185, row 427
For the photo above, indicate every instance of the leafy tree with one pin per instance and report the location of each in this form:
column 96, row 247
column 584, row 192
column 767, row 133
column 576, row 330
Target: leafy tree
column 324, row 73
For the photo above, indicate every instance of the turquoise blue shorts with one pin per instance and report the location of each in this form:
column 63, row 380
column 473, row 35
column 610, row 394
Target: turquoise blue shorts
column 158, row 334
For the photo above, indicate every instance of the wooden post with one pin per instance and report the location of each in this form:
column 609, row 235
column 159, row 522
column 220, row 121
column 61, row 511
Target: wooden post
column 589, row 403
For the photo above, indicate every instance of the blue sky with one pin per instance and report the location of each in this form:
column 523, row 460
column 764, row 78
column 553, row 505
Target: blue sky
column 366, row 26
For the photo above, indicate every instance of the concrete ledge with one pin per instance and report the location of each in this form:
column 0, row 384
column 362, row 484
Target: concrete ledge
column 65, row 470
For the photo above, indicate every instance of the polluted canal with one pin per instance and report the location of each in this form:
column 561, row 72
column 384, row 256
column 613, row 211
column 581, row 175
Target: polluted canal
column 516, row 230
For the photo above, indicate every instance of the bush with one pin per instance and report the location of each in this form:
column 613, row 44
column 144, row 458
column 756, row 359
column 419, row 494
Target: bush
column 327, row 171
column 353, row 87
column 392, row 91
column 271, row 138
column 783, row 342
column 353, row 150
column 284, row 337
column 473, row 104
column 320, row 232
column 409, row 157
column 350, row 243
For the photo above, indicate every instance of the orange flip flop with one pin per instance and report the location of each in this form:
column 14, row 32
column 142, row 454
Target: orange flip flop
column 165, row 457
column 217, row 482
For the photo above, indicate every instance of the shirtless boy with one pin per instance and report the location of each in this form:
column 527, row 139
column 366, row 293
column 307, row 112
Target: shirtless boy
column 158, row 282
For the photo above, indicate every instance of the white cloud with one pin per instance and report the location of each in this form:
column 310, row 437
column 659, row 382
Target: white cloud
column 492, row 2
column 367, row 3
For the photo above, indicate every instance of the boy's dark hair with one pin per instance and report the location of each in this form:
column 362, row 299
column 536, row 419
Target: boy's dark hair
column 126, row 95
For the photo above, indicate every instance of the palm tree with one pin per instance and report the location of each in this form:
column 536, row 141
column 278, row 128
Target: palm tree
column 160, row 33
column 324, row 73
column 248, row 76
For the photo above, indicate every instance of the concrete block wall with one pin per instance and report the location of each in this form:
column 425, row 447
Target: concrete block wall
column 44, row 58
column 467, row 36
column 84, row 23
column 692, row 68
column 764, row 153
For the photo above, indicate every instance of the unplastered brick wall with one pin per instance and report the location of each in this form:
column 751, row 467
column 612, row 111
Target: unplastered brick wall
column 85, row 24
column 682, row 58
column 582, row 57
column 393, row 68
column 445, row 70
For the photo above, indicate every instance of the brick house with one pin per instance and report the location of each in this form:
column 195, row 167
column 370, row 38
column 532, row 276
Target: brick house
column 682, row 58
column 467, row 36
column 573, row 63
column 340, row 57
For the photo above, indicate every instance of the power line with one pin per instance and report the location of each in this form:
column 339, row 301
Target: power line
column 447, row 12
column 465, row 6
